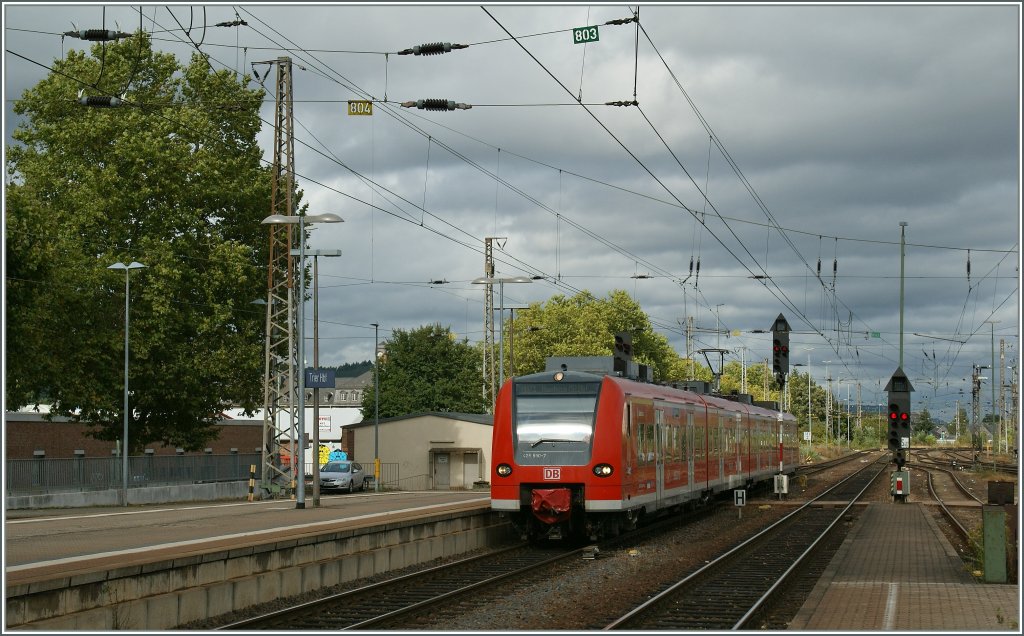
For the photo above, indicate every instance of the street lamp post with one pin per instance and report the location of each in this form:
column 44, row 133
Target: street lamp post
column 828, row 402
column 880, row 407
column 810, row 434
column 316, row 365
column 298, row 458
column 997, row 420
column 124, row 439
column 718, row 323
column 376, row 409
column 501, row 316
column 903, row 251
column 846, row 409
column 512, row 339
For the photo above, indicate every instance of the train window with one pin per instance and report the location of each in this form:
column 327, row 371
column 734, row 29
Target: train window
column 554, row 427
column 689, row 434
column 640, row 445
column 569, row 418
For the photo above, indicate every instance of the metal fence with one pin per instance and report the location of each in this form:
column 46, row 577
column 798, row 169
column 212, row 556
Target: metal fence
column 79, row 474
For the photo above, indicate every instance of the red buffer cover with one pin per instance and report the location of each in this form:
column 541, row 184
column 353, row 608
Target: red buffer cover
column 551, row 505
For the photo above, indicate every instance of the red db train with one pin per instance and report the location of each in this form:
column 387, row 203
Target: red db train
column 578, row 454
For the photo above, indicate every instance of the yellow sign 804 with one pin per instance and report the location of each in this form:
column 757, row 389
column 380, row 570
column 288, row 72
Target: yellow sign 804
column 360, row 107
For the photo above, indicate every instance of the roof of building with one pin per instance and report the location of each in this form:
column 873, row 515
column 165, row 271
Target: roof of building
column 475, row 418
column 359, row 382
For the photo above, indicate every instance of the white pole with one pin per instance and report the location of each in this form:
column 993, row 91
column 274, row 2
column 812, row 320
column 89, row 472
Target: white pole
column 124, row 443
column 298, row 455
column 501, row 334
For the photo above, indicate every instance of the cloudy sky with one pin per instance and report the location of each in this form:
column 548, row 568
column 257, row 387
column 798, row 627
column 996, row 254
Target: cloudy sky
column 771, row 145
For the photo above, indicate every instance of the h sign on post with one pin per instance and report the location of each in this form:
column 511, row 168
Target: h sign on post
column 739, row 497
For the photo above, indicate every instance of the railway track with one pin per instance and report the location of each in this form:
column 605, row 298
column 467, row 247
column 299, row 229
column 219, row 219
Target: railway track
column 736, row 590
column 973, row 459
column 391, row 604
column 375, row 604
column 942, row 483
column 420, row 598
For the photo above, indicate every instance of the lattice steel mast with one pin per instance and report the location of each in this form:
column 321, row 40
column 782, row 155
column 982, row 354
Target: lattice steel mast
column 489, row 324
column 280, row 418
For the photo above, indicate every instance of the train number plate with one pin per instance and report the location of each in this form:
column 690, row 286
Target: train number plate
column 552, row 474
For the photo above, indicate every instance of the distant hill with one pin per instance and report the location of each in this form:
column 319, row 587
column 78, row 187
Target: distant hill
column 352, row 369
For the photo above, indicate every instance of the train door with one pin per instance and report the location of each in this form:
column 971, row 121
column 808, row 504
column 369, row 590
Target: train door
column 738, row 446
column 688, row 450
column 759, row 444
column 642, row 419
column 659, row 454
column 700, row 449
column 714, row 448
column 746, row 447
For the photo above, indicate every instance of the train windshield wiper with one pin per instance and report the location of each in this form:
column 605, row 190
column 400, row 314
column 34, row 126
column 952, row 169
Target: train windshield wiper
column 542, row 440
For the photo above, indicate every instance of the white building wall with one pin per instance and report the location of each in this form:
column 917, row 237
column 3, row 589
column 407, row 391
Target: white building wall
column 412, row 443
column 332, row 420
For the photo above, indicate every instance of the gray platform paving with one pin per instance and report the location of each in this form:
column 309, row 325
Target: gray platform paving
column 896, row 571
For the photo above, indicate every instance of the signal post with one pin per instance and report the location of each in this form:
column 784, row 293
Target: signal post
column 780, row 367
column 900, row 432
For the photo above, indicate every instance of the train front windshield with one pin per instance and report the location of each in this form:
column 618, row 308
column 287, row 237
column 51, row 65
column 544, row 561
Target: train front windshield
column 554, row 423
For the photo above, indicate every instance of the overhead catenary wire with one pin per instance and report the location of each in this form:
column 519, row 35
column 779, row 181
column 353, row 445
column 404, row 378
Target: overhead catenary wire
column 558, row 220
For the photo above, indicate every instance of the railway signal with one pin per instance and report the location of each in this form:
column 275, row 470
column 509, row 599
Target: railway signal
column 899, row 389
column 780, row 349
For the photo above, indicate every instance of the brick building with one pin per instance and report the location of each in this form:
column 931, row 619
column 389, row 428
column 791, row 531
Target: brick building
column 25, row 434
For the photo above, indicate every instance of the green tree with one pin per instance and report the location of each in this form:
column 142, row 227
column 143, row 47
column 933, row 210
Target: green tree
column 426, row 369
column 172, row 179
column 352, row 369
column 922, row 423
column 583, row 325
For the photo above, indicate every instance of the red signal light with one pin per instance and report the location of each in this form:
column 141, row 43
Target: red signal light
column 904, row 416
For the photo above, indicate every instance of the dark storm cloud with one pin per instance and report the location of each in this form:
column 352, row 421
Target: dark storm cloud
column 845, row 120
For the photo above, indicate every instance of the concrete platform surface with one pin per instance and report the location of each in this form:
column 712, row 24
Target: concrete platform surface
column 896, row 571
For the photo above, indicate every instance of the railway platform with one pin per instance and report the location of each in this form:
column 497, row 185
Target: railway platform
column 159, row 567
column 896, row 571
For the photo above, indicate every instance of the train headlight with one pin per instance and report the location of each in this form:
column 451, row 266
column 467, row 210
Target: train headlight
column 603, row 470
column 503, row 470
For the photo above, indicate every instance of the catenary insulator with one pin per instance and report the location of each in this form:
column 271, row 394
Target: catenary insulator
column 97, row 35
column 436, row 104
column 434, row 48
column 100, row 101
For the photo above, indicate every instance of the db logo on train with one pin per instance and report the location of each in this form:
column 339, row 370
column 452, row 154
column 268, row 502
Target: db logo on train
column 552, row 474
